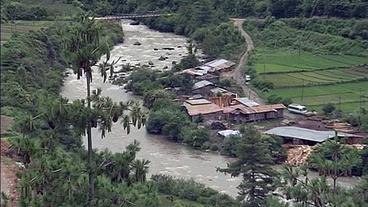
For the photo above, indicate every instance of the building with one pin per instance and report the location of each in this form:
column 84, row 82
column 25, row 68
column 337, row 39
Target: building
column 203, row 87
column 209, row 77
column 298, row 135
column 241, row 113
column 203, row 108
column 245, row 102
column 215, row 66
column 220, row 65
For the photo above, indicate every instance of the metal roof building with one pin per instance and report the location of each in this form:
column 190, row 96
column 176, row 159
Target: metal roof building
column 201, row 84
column 306, row 134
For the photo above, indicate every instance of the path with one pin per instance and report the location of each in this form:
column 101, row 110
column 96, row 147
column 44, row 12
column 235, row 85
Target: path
column 237, row 73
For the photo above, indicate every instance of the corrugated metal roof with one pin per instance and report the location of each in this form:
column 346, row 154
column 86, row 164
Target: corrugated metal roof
column 268, row 108
column 219, row 90
column 198, row 101
column 247, row 102
column 202, row 109
column 201, row 84
column 301, row 133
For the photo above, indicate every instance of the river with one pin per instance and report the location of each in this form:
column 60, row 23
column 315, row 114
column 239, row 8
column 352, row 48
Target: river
column 166, row 157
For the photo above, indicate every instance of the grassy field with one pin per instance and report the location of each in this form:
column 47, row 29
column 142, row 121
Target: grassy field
column 7, row 29
column 310, row 67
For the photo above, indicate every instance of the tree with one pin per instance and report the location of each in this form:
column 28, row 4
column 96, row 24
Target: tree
column 254, row 165
column 334, row 159
column 140, row 168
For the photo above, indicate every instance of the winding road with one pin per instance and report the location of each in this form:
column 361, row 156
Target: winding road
column 237, row 74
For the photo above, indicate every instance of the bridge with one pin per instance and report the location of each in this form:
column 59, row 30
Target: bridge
column 132, row 16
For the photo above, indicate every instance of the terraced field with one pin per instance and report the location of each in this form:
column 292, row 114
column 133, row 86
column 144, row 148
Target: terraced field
column 348, row 96
column 317, row 77
column 315, row 80
column 281, row 61
column 20, row 26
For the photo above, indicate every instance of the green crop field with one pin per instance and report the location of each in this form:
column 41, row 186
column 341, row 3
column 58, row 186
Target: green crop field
column 350, row 95
column 310, row 67
column 280, row 61
column 7, row 29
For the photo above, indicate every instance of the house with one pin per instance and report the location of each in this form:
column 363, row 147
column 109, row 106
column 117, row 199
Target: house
column 209, row 77
column 220, row 65
column 298, row 135
column 203, row 108
column 202, row 87
column 221, row 97
column 241, row 113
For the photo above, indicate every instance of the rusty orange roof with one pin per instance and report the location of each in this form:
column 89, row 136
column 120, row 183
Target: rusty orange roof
column 267, row 108
column 202, row 109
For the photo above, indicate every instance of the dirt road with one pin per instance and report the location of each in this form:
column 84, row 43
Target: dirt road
column 237, row 74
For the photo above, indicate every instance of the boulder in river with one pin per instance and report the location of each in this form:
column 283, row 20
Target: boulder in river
column 137, row 43
column 155, row 49
column 150, row 63
column 135, row 23
column 168, row 48
column 162, row 58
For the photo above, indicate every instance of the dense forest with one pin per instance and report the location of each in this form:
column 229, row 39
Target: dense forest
column 242, row 8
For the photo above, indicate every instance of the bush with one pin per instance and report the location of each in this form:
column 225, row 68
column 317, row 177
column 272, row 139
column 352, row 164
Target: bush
column 328, row 108
column 195, row 137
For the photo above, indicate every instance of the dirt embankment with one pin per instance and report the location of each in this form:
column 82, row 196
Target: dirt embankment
column 9, row 180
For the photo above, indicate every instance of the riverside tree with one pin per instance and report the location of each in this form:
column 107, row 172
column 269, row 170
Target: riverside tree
column 254, row 165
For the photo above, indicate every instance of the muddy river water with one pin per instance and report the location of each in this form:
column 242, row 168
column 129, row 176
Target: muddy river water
column 166, row 157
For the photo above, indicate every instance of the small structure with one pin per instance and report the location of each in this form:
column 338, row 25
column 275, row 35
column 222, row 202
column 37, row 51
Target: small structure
column 298, row 135
column 229, row 133
column 203, row 108
column 202, row 87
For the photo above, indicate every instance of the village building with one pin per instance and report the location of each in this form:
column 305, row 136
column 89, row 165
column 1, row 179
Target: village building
column 209, row 77
column 216, row 66
column 240, row 113
column 203, row 87
column 304, row 136
column 203, row 108
column 220, row 65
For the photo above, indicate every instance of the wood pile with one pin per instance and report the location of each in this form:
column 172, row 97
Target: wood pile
column 341, row 127
column 298, row 154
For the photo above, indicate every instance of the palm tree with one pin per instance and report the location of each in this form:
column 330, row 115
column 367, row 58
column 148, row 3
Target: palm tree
column 140, row 168
column 85, row 48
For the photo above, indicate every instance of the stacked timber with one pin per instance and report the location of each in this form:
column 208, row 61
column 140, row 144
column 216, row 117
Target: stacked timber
column 298, row 154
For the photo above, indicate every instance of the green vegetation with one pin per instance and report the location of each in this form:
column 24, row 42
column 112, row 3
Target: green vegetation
column 38, row 9
column 242, row 8
column 21, row 26
column 303, row 64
